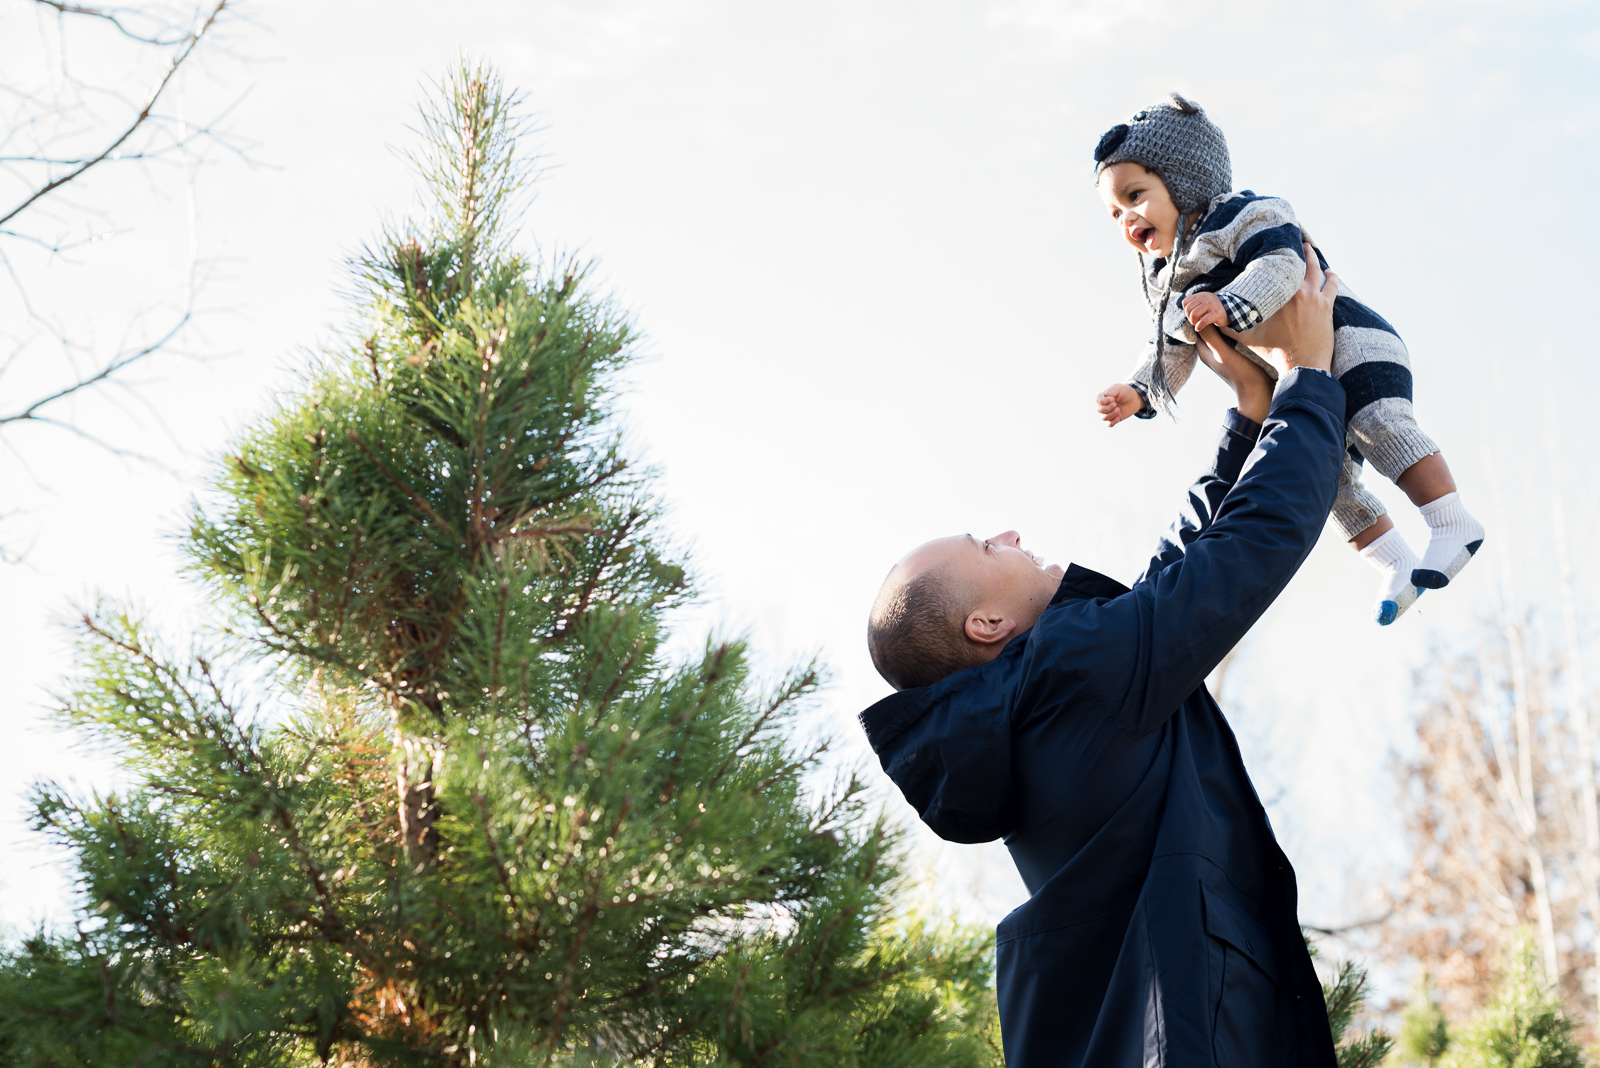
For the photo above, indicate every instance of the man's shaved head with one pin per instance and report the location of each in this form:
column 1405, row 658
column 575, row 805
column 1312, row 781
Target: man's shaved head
column 953, row 604
column 917, row 630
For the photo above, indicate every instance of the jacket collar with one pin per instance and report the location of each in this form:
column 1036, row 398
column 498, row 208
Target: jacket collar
column 892, row 716
column 1080, row 583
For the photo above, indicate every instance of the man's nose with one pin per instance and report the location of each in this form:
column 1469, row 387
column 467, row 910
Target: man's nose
column 1010, row 538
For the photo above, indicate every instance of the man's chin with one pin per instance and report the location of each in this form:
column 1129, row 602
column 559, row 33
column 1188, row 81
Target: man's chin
column 1055, row 571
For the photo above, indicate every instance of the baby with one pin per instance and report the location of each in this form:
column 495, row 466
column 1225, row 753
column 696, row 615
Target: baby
column 1224, row 259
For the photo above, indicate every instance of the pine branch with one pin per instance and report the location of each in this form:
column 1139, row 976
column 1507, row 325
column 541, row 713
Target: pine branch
column 416, row 498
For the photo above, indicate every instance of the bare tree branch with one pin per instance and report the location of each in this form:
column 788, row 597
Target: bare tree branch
column 126, row 359
column 49, row 140
column 114, row 16
column 1348, row 927
column 193, row 41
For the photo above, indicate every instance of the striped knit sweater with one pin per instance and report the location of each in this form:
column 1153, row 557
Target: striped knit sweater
column 1247, row 250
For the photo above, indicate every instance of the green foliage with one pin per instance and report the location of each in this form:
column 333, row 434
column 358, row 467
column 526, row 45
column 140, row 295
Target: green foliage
column 1345, row 993
column 1424, row 1031
column 488, row 820
column 1524, row 1025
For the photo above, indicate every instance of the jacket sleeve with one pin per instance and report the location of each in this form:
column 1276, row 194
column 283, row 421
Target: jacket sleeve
column 1238, row 440
column 1144, row 652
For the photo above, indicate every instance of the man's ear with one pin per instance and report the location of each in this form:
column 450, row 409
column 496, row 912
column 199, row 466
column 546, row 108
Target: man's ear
column 987, row 629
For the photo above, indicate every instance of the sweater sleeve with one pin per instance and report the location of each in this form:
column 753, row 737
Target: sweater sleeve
column 1262, row 240
column 1179, row 364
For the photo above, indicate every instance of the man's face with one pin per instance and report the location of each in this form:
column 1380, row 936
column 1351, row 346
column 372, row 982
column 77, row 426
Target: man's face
column 1140, row 204
column 1012, row 585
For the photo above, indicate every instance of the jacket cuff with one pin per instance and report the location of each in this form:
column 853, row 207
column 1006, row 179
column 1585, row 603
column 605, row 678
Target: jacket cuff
column 1309, row 385
column 1238, row 441
column 1243, row 425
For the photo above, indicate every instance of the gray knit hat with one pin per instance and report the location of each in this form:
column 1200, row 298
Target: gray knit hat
column 1179, row 143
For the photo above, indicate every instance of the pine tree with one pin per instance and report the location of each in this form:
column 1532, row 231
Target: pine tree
column 1344, row 993
column 1523, row 1025
column 435, row 795
column 1424, row 1030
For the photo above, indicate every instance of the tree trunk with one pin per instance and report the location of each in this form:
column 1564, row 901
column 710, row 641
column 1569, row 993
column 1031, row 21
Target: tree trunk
column 418, row 809
column 1587, row 789
column 1527, row 798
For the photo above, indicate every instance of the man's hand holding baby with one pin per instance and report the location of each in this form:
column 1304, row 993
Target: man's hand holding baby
column 1300, row 334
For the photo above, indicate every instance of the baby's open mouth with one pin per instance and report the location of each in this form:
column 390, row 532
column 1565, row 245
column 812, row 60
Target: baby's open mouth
column 1144, row 234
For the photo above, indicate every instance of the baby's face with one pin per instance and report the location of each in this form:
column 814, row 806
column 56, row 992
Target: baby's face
column 1140, row 204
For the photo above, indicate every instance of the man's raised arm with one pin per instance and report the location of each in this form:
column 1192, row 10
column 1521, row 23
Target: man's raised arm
column 1224, row 565
column 1190, row 614
column 1238, row 441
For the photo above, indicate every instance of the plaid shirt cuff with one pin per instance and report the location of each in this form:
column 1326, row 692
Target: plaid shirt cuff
column 1146, row 412
column 1242, row 315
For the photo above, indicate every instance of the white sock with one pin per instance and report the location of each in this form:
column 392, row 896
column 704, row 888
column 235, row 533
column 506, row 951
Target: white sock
column 1395, row 561
column 1455, row 537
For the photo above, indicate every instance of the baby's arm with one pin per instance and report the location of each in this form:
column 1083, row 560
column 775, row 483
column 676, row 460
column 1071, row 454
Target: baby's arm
column 1263, row 234
column 1133, row 397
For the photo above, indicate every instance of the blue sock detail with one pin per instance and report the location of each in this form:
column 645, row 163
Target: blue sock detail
column 1425, row 579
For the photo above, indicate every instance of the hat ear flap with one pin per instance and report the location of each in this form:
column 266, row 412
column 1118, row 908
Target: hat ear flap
column 1110, row 140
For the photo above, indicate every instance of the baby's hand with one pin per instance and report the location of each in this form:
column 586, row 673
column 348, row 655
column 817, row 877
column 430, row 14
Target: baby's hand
column 1118, row 402
column 1204, row 309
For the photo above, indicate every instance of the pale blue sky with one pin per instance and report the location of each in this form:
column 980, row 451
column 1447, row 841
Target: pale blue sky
column 880, row 295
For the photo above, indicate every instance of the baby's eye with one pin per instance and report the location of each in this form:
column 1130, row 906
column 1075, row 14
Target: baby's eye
column 1116, row 213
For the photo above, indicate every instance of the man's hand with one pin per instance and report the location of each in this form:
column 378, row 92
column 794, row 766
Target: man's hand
column 1203, row 310
column 1250, row 381
column 1118, row 402
column 1301, row 333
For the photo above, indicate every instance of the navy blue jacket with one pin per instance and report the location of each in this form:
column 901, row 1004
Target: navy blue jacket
column 1161, row 927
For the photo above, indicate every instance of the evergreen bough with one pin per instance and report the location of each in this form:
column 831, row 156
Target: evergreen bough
column 1424, row 1030
column 1524, row 1025
column 1344, row 993
column 487, row 820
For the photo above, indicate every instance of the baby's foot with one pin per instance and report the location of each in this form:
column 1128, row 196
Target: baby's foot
column 1395, row 562
column 1456, row 536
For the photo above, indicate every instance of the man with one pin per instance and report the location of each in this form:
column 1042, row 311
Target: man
column 1066, row 714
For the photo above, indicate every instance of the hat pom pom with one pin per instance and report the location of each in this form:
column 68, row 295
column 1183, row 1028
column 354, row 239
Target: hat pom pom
column 1110, row 140
column 1183, row 106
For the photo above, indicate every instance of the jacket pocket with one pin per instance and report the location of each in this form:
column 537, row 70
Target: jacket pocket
column 1252, row 1017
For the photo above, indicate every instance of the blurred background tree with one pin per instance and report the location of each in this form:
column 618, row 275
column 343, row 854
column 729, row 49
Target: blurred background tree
column 1424, row 1031
column 1524, row 1023
column 1501, row 811
column 1497, row 798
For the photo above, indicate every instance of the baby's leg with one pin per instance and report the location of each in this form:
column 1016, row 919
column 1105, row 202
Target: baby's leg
column 1356, row 512
column 1386, row 432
